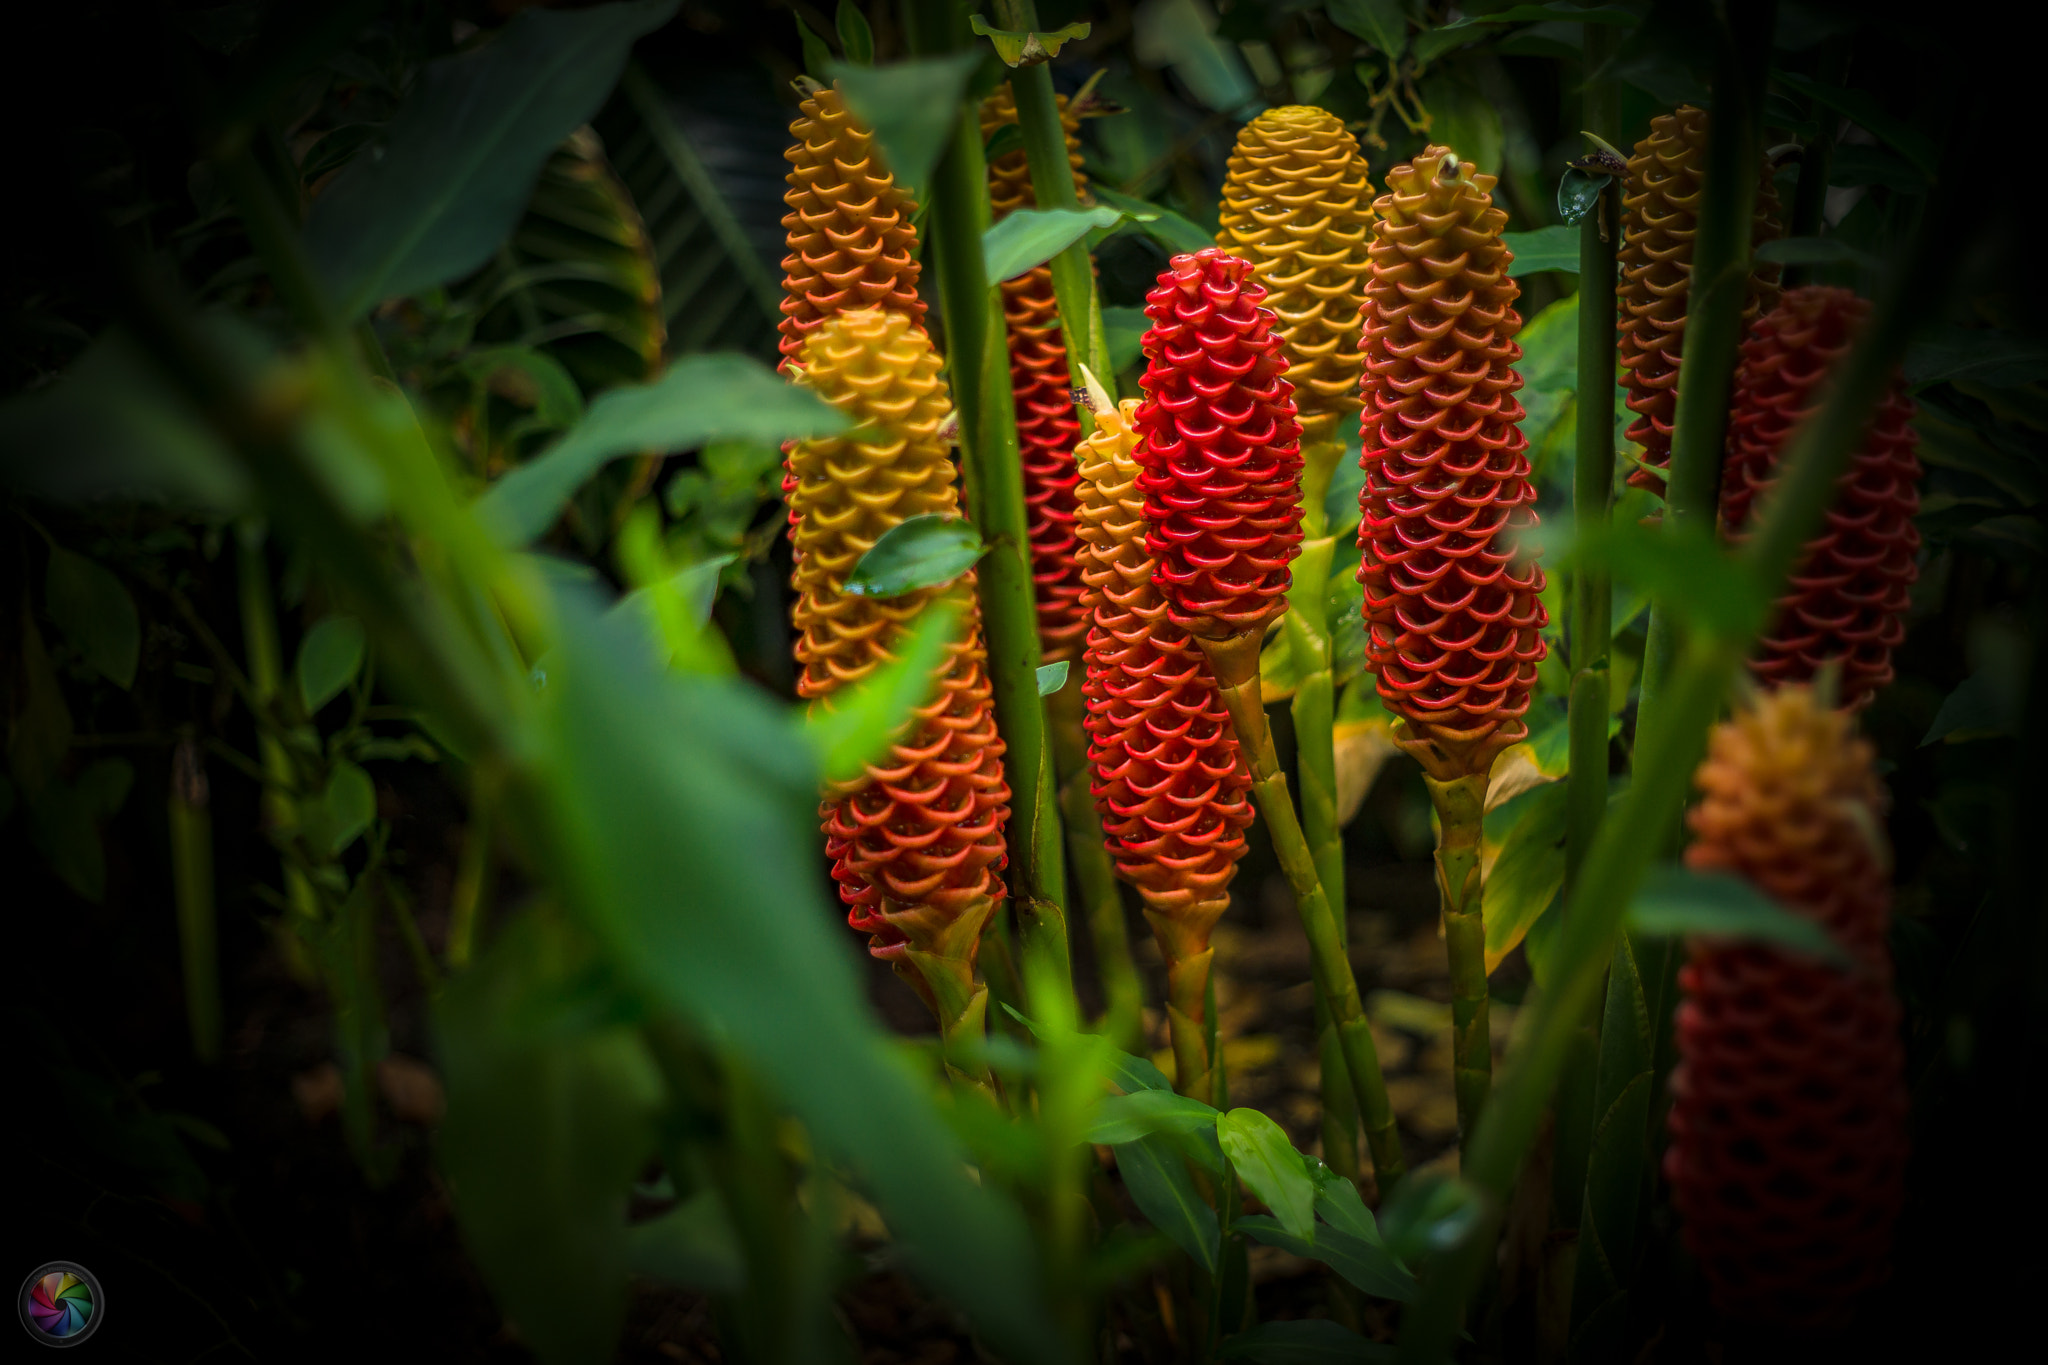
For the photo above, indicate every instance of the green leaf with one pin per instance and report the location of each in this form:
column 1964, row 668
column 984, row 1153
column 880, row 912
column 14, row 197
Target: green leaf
column 342, row 812
column 1816, row 251
column 692, row 1245
column 1984, row 704
column 1678, row 900
column 1127, row 1118
column 1548, row 248
column 1270, row 1168
column 329, row 657
column 1862, row 108
column 1371, row 1268
column 695, row 584
column 1311, row 1341
column 1159, row 1183
column 1996, row 358
column 1004, row 140
column 1854, row 163
column 1169, row 229
column 1132, row 1074
column 817, row 57
column 1181, row 34
column 1023, row 47
column 1383, row 23
column 532, row 378
column 93, row 609
column 917, row 552
column 1686, row 574
column 1527, row 875
column 856, row 39
column 1577, row 192
column 702, row 398
column 1031, row 237
column 913, row 107
column 863, row 720
column 544, row 1215
column 65, row 817
column 462, row 153
column 1338, row 1204
column 649, row 782
column 1430, row 1214
column 1052, row 677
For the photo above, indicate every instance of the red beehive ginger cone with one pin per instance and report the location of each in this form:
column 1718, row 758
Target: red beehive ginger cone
column 1220, row 449
column 1172, row 790
column 1042, row 388
column 1788, row 1120
column 916, row 845
column 850, row 240
column 1848, row 598
column 1452, row 618
column 1660, row 213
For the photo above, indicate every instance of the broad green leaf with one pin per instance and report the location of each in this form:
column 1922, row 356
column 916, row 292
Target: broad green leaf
column 1052, row 677
column 918, row 552
column 1991, row 357
column 93, row 609
column 1126, row 1118
column 863, row 720
column 1182, row 34
column 1429, row 1214
column 463, row 151
column 649, row 783
column 1678, row 900
column 695, row 586
column 1310, row 1341
column 533, row 379
column 1270, row 1168
column 1687, row 574
column 913, row 107
column 1029, row 238
column 1863, row 108
column 1025, row 47
column 1521, row 882
column 1550, row 248
column 817, row 57
column 1169, row 229
column 1816, row 251
column 1132, row 1074
column 1464, row 119
column 65, row 817
column 1158, row 1180
column 329, row 657
column 691, row 1245
column 1338, row 1203
column 1371, row 1268
column 702, row 398
column 1383, row 23
column 545, row 1215
column 856, row 39
column 343, row 810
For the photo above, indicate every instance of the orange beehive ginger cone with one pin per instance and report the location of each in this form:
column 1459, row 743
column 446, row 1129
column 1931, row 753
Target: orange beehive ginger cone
column 851, row 244
column 1298, row 206
column 1660, row 214
column 1042, row 387
column 1788, row 1119
column 917, row 845
column 1849, row 596
column 1452, row 617
column 1172, row 790
column 1219, row 448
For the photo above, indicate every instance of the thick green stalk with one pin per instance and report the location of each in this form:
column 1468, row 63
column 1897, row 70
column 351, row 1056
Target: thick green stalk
column 1461, row 814
column 1052, row 185
column 263, row 659
column 1235, row 663
column 1633, row 835
column 977, row 361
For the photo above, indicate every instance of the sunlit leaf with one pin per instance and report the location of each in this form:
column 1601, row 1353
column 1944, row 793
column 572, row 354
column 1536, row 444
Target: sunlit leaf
column 1678, row 900
column 1264, row 1159
column 1523, row 880
column 460, row 157
column 1052, row 677
column 701, row 398
column 917, row 552
column 93, row 609
column 1030, row 237
column 329, row 657
column 1126, row 1118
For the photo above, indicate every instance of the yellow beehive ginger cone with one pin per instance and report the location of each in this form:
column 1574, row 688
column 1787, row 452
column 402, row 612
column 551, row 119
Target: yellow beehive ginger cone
column 1041, row 385
column 1173, row 792
column 917, row 844
column 851, row 244
column 1298, row 206
column 1660, row 215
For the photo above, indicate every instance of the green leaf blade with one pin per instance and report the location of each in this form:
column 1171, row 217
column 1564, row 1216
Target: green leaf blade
column 1678, row 900
column 1270, row 1168
column 329, row 658
column 1028, row 238
column 918, row 552
column 92, row 607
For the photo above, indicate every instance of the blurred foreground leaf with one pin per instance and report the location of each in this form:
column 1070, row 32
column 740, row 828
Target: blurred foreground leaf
column 1678, row 900
column 912, row 106
column 863, row 720
column 1029, row 238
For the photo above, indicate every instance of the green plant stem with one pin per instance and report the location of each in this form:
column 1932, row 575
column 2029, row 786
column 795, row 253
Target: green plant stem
column 191, row 830
column 1101, row 896
column 1632, row 836
column 1461, row 813
column 977, row 361
column 1235, row 662
column 1052, row 185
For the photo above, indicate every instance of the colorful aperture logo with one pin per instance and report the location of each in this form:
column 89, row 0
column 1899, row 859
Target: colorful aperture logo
column 61, row 1303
